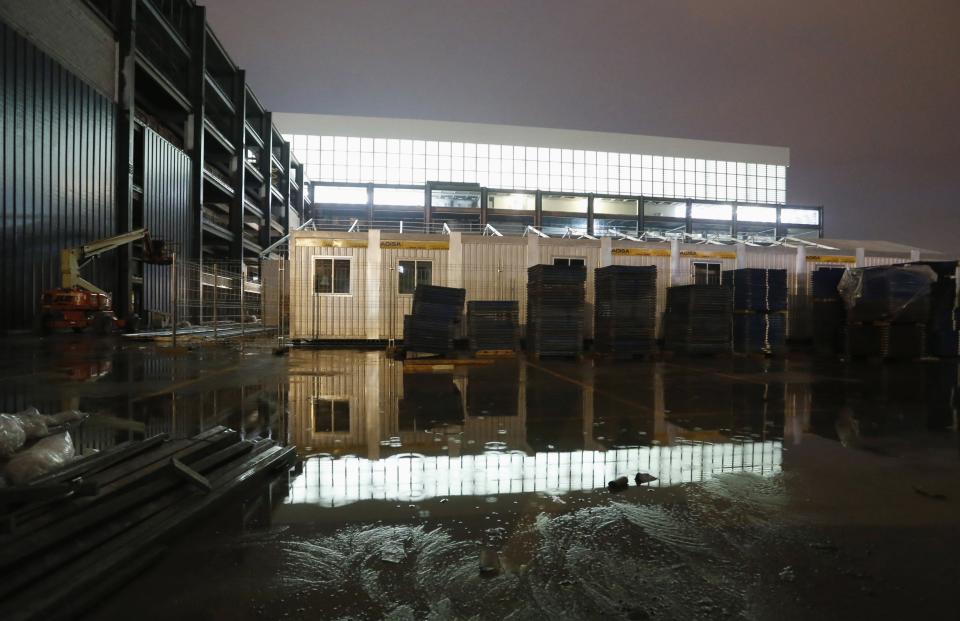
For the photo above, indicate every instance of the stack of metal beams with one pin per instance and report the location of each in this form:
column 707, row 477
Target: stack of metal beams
column 75, row 534
column 759, row 306
column 625, row 309
column 436, row 311
column 698, row 319
column 493, row 324
column 555, row 307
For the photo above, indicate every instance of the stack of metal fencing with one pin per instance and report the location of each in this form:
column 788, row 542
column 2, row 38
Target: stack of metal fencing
column 555, row 308
column 625, row 309
column 698, row 319
column 828, row 314
column 759, row 307
column 436, row 311
column 887, row 310
column 493, row 324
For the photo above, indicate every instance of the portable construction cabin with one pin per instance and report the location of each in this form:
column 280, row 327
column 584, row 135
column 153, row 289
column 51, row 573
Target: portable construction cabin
column 359, row 285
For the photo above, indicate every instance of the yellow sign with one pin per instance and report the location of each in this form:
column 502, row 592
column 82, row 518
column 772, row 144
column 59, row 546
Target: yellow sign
column 415, row 245
column 831, row 258
column 697, row 254
column 640, row 252
column 332, row 243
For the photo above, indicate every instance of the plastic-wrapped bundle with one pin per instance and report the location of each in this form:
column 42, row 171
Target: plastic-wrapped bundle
column 898, row 294
column 47, row 454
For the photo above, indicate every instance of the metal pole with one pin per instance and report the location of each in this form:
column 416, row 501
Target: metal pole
column 280, row 275
column 243, row 282
column 216, row 287
column 173, row 294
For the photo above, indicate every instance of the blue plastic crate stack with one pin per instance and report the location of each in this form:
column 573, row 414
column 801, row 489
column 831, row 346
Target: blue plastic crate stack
column 698, row 319
column 493, row 324
column 555, row 306
column 887, row 310
column 759, row 309
column 436, row 312
column 625, row 310
column 828, row 314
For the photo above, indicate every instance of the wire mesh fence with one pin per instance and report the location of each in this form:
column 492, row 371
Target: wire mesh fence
column 211, row 300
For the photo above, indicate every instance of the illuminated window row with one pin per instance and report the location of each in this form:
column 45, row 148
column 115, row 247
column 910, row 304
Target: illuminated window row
column 395, row 161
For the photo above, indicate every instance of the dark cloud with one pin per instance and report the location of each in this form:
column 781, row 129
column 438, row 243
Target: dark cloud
column 865, row 93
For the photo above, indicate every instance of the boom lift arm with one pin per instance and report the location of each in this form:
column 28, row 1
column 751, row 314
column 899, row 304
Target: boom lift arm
column 73, row 259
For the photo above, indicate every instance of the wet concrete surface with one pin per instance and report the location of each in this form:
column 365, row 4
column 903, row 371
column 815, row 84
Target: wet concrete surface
column 786, row 489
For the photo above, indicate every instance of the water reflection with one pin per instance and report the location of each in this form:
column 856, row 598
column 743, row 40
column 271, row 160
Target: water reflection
column 412, row 432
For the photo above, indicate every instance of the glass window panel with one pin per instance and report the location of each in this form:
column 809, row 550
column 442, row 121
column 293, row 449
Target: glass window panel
column 799, row 216
column 483, row 150
column 323, row 276
column 326, row 143
column 706, row 273
column 406, row 276
column 615, row 206
column 665, row 209
column 401, row 197
column 341, row 415
column 470, row 149
column 711, row 211
column 323, row 415
column 524, row 202
column 341, row 275
column 344, row 195
column 424, row 272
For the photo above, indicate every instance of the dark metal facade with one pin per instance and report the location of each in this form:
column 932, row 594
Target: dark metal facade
column 56, row 175
column 166, row 214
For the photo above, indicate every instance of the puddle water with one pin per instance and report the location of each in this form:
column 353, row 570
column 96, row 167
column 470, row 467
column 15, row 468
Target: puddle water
column 782, row 489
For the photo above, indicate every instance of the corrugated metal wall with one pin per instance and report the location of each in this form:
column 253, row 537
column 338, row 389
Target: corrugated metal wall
column 315, row 316
column 166, row 214
column 57, row 137
column 393, row 305
column 496, row 269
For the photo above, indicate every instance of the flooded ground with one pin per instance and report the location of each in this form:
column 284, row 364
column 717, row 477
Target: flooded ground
column 786, row 489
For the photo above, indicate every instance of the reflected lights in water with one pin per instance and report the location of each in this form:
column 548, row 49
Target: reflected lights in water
column 330, row 482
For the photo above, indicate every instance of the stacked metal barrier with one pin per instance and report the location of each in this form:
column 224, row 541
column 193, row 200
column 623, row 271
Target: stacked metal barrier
column 493, row 324
column 625, row 309
column 698, row 319
column 759, row 307
column 436, row 311
column 555, row 307
column 829, row 316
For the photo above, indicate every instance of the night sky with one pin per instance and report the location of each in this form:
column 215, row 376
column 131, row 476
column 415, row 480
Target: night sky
column 866, row 94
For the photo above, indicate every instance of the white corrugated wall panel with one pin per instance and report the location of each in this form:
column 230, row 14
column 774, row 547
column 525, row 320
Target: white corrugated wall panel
column 316, row 316
column 496, row 269
column 393, row 304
